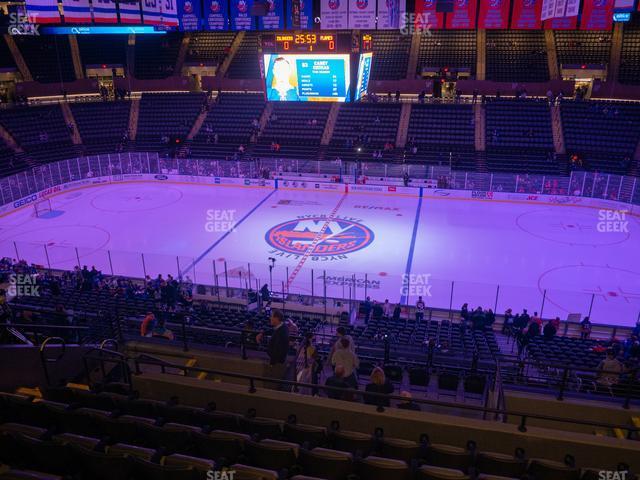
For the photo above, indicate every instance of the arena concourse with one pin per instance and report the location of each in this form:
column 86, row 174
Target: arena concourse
column 359, row 240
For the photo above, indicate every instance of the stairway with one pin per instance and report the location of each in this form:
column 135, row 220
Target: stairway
column 330, row 125
column 133, row 118
column 403, row 126
column 131, row 55
column 481, row 60
column 556, row 127
column 18, row 58
column 616, row 52
column 264, row 117
column 552, row 57
column 412, row 66
column 479, row 122
column 182, row 53
column 69, row 120
column 9, row 140
column 75, row 56
column 197, row 125
column 233, row 49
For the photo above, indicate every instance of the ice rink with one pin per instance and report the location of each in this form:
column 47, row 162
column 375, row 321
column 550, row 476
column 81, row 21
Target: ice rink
column 559, row 259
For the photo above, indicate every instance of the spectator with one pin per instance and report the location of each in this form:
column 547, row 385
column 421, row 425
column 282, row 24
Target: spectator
column 549, row 331
column 161, row 331
column 397, row 311
column 337, row 381
column 366, row 309
column 386, row 309
column 306, row 362
column 337, row 345
column 585, row 328
column 148, row 324
column 507, row 324
column 349, row 360
column 609, row 371
column 278, row 347
column 420, row 306
column 407, row 403
column 379, row 384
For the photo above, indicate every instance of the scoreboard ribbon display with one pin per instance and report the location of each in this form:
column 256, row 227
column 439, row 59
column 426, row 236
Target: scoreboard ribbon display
column 307, row 77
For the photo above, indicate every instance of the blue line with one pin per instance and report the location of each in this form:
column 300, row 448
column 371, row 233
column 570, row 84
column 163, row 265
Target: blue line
column 217, row 242
column 404, row 298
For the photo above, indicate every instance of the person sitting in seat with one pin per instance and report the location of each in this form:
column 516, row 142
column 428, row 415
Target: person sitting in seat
column 337, row 380
column 379, row 384
column 609, row 371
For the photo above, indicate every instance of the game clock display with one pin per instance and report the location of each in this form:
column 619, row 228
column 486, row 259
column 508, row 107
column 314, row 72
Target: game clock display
column 305, row 43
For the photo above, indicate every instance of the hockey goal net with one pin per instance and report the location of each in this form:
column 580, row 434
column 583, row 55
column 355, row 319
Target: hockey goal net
column 42, row 207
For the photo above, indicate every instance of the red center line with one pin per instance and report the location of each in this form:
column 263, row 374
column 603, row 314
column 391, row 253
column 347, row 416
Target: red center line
column 319, row 236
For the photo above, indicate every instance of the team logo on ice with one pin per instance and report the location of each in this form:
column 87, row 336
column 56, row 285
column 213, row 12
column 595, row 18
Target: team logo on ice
column 327, row 237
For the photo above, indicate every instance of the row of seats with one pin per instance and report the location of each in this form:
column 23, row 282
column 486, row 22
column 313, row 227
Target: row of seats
column 73, row 424
column 209, row 46
column 102, row 125
column 166, row 115
column 583, row 47
column 517, row 56
column 630, row 55
column 48, row 61
column 453, row 49
column 41, row 131
column 391, row 54
column 602, row 133
column 245, row 62
column 156, row 55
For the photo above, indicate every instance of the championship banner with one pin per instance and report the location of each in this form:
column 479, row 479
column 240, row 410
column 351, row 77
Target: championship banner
column 564, row 23
column 561, row 7
column 494, row 14
column 392, row 14
column 334, row 14
column 104, row 11
column 624, row 5
column 573, row 8
column 169, row 11
column 152, row 12
column 426, row 15
column 526, row 15
column 240, row 13
column 216, row 13
column 43, row 11
column 274, row 19
column 306, row 15
column 130, row 12
column 189, row 15
column 548, row 9
column 597, row 15
column 463, row 15
column 76, row 11
column 362, row 14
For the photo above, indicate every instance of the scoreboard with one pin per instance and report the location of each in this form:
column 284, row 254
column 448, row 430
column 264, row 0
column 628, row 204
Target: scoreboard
column 305, row 42
column 306, row 66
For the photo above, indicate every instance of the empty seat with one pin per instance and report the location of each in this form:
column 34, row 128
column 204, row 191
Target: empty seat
column 326, row 463
column 430, row 472
column 377, row 468
column 540, row 469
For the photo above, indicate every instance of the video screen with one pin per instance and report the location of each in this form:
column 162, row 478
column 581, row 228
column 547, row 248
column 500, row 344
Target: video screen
column 364, row 72
column 307, row 78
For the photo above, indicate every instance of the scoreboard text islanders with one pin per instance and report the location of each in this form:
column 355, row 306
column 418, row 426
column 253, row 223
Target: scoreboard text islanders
column 306, row 42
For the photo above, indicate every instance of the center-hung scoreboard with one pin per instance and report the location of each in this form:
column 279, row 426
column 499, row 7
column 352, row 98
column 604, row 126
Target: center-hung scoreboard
column 315, row 66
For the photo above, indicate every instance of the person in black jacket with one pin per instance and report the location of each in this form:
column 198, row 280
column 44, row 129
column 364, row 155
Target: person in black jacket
column 278, row 347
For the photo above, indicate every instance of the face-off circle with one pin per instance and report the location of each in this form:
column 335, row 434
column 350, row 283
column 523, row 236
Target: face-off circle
column 327, row 236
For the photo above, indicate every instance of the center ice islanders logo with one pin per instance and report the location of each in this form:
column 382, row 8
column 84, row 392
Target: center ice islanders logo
column 328, row 237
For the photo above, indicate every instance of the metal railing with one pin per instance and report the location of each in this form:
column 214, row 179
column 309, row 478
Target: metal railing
column 377, row 400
